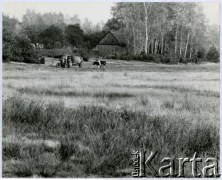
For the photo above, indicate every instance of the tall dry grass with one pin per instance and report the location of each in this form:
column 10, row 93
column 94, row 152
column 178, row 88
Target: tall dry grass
column 86, row 124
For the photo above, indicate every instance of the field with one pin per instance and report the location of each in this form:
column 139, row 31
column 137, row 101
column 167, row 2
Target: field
column 86, row 122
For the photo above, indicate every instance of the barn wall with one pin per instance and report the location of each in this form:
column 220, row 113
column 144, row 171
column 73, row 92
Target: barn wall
column 106, row 50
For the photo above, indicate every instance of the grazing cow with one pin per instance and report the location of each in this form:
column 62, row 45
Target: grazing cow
column 99, row 63
column 103, row 63
column 77, row 60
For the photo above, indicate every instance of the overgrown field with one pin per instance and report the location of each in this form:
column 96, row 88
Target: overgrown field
column 86, row 122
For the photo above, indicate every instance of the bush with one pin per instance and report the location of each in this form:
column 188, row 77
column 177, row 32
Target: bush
column 125, row 57
column 19, row 49
column 7, row 42
column 165, row 59
column 201, row 53
column 148, row 58
column 42, row 60
column 83, row 52
column 142, row 57
column 213, row 55
column 158, row 58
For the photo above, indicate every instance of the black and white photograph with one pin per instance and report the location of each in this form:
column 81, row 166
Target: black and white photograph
column 108, row 89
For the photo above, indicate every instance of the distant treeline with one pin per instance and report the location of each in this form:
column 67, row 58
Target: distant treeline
column 22, row 39
column 174, row 32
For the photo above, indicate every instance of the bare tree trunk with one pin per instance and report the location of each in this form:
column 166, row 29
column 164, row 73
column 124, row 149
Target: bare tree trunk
column 185, row 53
column 148, row 43
column 146, row 27
column 151, row 47
column 148, row 48
column 176, row 40
column 140, row 34
column 191, row 48
column 165, row 47
column 162, row 40
column 134, row 41
column 154, row 47
column 158, row 47
column 181, row 43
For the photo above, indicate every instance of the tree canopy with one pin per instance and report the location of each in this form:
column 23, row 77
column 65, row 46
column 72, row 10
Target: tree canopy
column 52, row 37
column 74, row 35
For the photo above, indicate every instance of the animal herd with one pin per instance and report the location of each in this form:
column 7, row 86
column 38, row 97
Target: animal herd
column 67, row 61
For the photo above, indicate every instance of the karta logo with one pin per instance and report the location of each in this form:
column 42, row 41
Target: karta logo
column 198, row 167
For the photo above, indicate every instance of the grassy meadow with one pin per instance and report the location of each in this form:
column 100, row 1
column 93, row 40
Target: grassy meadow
column 86, row 122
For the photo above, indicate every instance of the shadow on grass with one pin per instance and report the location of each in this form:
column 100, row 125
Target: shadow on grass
column 76, row 93
column 173, row 88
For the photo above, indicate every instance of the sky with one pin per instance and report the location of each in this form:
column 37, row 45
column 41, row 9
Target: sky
column 94, row 11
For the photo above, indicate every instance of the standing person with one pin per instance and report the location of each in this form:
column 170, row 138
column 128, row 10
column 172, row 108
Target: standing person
column 99, row 61
column 68, row 61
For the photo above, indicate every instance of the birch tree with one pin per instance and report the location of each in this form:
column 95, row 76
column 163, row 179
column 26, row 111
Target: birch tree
column 161, row 28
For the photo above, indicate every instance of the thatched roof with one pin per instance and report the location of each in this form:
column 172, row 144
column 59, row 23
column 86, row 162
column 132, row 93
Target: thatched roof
column 120, row 37
column 113, row 38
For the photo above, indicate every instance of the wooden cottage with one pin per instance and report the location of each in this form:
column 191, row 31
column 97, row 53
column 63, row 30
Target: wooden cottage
column 112, row 44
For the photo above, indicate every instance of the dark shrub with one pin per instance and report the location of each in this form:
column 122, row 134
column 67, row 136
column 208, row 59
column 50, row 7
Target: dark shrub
column 158, row 58
column 85, row 58
column 126, row 57
column 6, row 45
column 31, row 57
column 148, row 58
column 213, row 55
column 201, row 53
column 21, row 50
column 42, row 60
column 165, row 59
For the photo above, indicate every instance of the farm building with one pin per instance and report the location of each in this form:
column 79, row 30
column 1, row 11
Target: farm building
column 113, row 43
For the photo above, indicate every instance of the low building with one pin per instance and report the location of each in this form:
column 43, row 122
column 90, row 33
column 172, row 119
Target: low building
column 113, row 43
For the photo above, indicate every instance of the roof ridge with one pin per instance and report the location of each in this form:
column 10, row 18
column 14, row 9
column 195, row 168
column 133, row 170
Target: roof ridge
column 115, row 37
column 118, row 36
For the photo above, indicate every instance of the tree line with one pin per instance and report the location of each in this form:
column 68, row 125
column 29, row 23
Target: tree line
column 52, row 30
column 175, row 31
